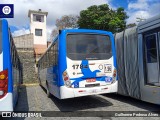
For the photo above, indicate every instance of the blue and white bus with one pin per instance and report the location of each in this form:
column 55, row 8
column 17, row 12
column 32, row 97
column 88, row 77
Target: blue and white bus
column 79, row 62
column 10, row 69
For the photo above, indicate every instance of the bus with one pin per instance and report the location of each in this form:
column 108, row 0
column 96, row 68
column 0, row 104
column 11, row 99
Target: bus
column 79, row 62
column 138, row 61
column 10, row 69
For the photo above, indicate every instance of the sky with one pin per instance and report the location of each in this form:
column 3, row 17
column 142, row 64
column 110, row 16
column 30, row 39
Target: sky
column 19, row 25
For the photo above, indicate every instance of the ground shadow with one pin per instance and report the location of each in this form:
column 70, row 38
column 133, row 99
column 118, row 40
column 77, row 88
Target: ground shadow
column 80, row 103
column 135, row 102
column 22, row 104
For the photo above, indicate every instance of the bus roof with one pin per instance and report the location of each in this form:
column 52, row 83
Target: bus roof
column 86, row 31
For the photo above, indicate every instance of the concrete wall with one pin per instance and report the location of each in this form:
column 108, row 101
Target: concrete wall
column 28, row 65
column 25, row 48
column 24, row 41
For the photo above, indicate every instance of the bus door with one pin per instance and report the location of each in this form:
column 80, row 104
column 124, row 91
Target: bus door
column 152, row 52
column 150, row 82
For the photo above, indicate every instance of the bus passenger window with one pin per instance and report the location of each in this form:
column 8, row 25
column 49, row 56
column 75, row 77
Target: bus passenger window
column 151, row 48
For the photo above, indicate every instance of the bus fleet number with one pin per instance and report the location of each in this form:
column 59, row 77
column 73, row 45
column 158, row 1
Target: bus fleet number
column 77, row 66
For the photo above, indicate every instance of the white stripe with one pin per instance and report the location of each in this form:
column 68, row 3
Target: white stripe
column 1, row 61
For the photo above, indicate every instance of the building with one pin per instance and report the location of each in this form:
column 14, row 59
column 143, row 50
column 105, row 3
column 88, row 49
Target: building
column 31, row 46
column 38, row 29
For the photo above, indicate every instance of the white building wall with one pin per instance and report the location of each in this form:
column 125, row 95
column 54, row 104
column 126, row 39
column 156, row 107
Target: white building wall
column 39, row 25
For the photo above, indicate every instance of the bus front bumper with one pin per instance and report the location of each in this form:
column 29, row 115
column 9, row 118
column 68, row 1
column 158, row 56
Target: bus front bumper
column 77, row 92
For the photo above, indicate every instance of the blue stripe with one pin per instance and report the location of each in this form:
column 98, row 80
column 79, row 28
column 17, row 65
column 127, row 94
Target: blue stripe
column 87, row 73
column 62, row 62
column 114, row 54
column 6, row 54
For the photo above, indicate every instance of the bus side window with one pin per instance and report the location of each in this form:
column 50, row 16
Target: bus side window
column 16, row 60
column 41, row 62
column 51, row 55
column 13, row 57
column 12, row 53
column 44, row 61
column 56, row 55
column 47, row 59
column 54, row 52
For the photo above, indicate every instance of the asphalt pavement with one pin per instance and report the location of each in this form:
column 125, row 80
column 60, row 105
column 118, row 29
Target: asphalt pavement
column 34, row 98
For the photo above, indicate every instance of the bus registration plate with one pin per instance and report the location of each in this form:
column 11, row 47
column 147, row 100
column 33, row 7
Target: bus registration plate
column 91, row 80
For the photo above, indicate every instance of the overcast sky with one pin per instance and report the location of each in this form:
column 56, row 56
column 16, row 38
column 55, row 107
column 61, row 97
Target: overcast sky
column 56, row 8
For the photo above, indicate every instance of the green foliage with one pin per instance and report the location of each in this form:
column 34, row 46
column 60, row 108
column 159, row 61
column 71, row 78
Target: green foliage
column 131, row 25
column 103, row 18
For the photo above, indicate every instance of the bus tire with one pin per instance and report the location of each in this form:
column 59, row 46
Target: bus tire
column 48, row 93
column 40, row 83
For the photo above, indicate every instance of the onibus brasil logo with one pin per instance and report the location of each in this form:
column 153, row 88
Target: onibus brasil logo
column 6, row 10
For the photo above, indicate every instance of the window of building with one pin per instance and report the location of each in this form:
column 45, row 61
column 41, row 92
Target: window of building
column 38, row 32
column 38, row 18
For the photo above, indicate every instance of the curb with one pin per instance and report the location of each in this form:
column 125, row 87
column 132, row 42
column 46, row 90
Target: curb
column 30, row 84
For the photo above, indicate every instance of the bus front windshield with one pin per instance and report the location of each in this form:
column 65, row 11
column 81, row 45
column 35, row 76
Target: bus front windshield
column 88, row 47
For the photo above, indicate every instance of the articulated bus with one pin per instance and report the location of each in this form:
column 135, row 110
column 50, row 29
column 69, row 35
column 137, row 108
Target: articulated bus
column 10, row 69
column 78, row 63
column 138, row 61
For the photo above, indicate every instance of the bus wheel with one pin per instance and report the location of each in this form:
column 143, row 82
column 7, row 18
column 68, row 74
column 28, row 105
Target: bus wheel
column 48, row 93
column 40, row 83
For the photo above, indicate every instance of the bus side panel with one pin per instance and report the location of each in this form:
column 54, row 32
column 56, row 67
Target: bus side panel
column 42, row 77
column 62, row 63
column 114, row 54
column 52, row 79
column 113, row 50
column 1, row 52
column 15, row 79
column 7, row 55
column 8, row 99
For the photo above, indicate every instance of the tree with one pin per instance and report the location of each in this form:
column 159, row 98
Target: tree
column 131, row 25
column 66, row 21
column 103, row 18
column 54, row 33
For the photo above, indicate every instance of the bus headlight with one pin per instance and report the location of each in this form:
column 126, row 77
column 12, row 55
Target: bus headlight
column 3, row 83
column 68, row 83
column 2, row 76
column 114, row 76
column 1, row 92
column 66, row 79
column 64, row 73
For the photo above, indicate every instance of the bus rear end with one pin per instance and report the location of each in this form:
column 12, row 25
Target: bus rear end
column 5, row 96
column 90, row 63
